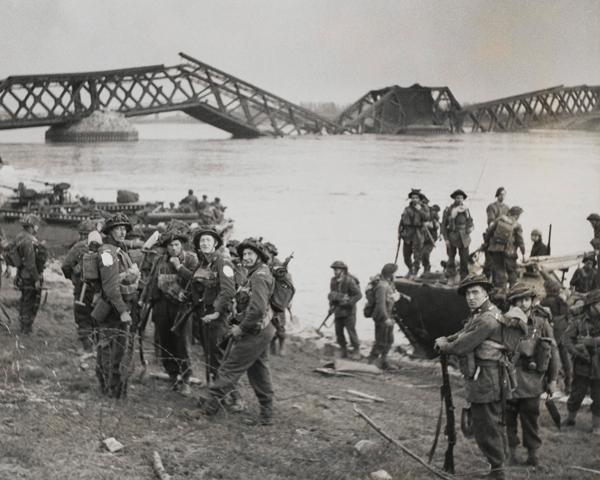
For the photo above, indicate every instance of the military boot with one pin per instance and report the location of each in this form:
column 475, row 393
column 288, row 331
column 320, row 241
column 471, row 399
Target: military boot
column 344, row 351
column 570, row 422
column 173, row 384
column 596, row 424
column 184, row 388
column 512, row 457
column 386, row 365
column 371, row 359
column 497, row 473
column 236, row 402
column 266, row 415
column 355, row 354
column 532, row 458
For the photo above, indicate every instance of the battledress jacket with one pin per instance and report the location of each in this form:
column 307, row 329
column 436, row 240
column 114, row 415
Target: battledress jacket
column 412, row 221
column 26, row 247
column 384, row 300
column 216, row 275
column 343, row 295
column 457, row 224
column 531, row 383
column 483, row 325
column 587, row 359
column 254, row 298
column 495, row 210
column 119, row 283
column 70, row 263
column 162, row 266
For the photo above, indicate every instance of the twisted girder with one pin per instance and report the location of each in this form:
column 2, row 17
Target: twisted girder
column 530, row 110
column 204, row 92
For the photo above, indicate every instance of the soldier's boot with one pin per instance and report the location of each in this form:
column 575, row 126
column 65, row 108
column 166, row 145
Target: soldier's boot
column 173, row 385
column 532, row 458
column 386, row 365
column 208, row 404
column 372, row 359
column 596, row 425
column 512, row 457
column 426, row 269
column 497, row 472
column 344, row 351
column 355, row 354
column 236, row 404
column 184, row 388
column 266, row 415
column 570, row 421
column 282, row 349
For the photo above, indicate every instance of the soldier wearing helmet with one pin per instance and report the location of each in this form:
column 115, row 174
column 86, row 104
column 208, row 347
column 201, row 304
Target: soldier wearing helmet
column 582, row 339
column 119, row 278
column 536, row 368
column 457, row 225
column 480, row 351
column 278, row 342
column 82, row 306
column 252, row 333
column 412, row 230
column 538, row 248
column 585, row 279
column 343, row 295
column 29, row 274
column 166, row 290
column 505, row 239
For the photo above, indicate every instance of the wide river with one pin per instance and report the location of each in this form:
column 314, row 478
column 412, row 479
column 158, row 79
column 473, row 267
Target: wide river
column 330, row 198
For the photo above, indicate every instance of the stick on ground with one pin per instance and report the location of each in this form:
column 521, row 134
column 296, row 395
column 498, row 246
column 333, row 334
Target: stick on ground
column 378, row 429
column 159, row 469
column 585, row 469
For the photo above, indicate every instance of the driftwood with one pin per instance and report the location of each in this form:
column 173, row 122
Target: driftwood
column 349, row 399
column 585, row 469
column 158, row 467
column 366, row 395
column 378, row 429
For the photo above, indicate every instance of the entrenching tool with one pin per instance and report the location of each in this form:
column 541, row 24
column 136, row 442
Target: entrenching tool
column 553, row 411
column 324, row 323
column 81, row 296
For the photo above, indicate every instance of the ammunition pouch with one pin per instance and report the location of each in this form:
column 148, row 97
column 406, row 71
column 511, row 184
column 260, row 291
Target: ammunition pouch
column 206, row 277
column 543, row 354
column 101, row 310
column 466, row 365
column 466, row 423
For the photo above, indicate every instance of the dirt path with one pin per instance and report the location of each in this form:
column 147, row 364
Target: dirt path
column 53, row 420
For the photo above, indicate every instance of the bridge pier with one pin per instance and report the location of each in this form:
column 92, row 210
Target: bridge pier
column 100, row 126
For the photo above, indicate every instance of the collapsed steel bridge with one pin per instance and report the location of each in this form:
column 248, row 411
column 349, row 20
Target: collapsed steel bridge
column 246, row 111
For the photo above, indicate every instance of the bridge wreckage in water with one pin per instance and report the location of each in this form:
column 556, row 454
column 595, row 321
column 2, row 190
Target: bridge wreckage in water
column 246, row 111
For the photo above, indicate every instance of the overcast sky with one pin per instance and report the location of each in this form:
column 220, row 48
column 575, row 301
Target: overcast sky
column 321, row 50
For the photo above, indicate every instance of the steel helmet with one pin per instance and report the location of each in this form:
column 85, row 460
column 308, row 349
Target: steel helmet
column 116, row 220
column 171, row 235
column 272, row 249
column 86, row 226
column 254, row 244
column 473, row 280
column 207, row 230
column 339, row 264
column 136, row 232
column 520, row 290
column 30, row 220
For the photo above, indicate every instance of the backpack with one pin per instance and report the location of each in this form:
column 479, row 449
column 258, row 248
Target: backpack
column 504, row 231
column 10, row 253
column 370, row 296
column 283, row 291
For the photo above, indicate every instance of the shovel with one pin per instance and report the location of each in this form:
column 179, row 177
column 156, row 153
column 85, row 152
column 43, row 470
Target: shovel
column 554, row 413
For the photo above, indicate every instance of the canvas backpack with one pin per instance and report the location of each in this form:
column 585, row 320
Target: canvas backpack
column 370, row 296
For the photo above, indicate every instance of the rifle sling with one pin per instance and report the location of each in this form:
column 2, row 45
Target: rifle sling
column 438, row 429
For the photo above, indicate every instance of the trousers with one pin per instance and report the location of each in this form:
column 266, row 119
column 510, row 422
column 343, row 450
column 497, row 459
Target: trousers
column 29, row 303
column 528, row 411
column 349, row 323
column 384, row 339
column 412, row 253
column 174, row 349
column 579, row 388
column 463, row 254
column 489, row 432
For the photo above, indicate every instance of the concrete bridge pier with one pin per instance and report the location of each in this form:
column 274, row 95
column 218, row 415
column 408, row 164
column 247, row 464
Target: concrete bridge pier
column 100, row 126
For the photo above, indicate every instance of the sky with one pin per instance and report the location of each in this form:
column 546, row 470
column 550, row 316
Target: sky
column 318, row 50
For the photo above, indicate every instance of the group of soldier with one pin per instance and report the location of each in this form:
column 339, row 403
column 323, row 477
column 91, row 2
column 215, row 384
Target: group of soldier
column 198, row 288
column 216, row 294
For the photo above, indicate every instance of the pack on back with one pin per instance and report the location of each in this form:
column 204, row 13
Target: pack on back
column 370, row 296
column 504, row 230
column 11, row 253
column 283, row 291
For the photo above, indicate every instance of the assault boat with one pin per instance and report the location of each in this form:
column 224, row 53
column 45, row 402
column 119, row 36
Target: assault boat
column 436, row 309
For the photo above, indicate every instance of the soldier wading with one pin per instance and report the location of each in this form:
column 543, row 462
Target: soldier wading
column 481, row 358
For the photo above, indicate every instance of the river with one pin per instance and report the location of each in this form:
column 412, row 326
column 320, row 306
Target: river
column 329, row 198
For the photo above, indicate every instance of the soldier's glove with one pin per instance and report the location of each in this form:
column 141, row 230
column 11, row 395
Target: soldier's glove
column 126, row 318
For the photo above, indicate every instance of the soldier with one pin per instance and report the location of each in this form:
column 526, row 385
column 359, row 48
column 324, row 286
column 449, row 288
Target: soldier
column 457, row 225
column 252, row 335
column 166, row 290
column 480, row 350
column 218, row 205
column 412, row 231
column 538, row 248
column 204, row 203
column 432, row 226
column 29, row 278
column 213, row 288
column 119, row 277
column 536, row 372
column 495, row 210
column 582, row 339
column 278, row 342
column 585, row 279
column 505, row 238
column 386, row 296
column 190, row 200
column 82, row 306
column 343, row 295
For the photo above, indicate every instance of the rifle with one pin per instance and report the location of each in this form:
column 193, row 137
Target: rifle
column 548, row 248
column 325, row 321
column 450, row 430
column 182, row 317
column 206, row 347
column 397, row 251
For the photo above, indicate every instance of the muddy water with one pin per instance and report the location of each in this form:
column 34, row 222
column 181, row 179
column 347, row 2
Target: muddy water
column 329, row 198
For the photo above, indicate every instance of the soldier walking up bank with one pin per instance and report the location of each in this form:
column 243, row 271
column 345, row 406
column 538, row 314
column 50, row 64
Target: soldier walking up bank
column 119, row 278
column 343, row 295
column 412, row 231
column 480, row 352
column 82, row 305
column 535, row 373
column 32, row 258
column 582, row 339
column 252, row 335
column 457, row 225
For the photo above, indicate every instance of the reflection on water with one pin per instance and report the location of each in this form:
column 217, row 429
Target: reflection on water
column 329, row 198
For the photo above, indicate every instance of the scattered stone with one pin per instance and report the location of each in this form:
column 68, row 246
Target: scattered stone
column 366, row 449
column 113, row 445
column 296, row 406
column 84, row 366
column 380, row 475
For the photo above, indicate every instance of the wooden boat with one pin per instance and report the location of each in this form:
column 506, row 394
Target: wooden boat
column 436, row 309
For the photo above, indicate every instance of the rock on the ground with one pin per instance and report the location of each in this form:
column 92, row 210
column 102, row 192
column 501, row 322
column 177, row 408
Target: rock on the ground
column 380, row 475
column 366, row 449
